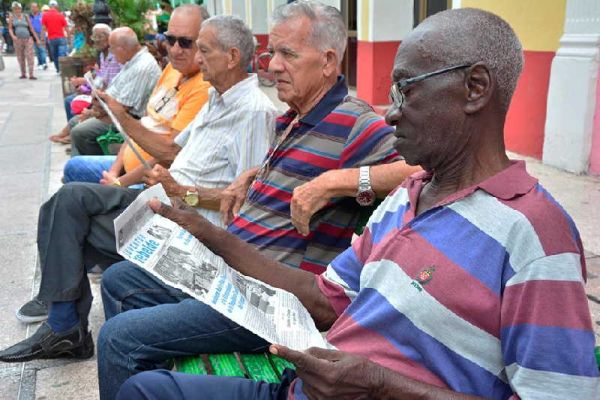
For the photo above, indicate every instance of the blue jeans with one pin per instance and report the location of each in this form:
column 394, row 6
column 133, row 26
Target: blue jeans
column 87, row 168
column 148, row 323
column 40, row 52
column 172, row 385
column 67, row 103
column 58, row 47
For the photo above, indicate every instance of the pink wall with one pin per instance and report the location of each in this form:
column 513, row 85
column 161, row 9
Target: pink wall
column 595, row 153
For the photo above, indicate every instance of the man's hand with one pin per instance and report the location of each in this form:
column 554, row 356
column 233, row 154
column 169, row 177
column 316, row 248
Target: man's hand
column 232, row 198
column 108, row 178
column 307, row 199
column 183, row 215
column 116, row 107
column 331, row 374
column 160, row 174
column 77, row 81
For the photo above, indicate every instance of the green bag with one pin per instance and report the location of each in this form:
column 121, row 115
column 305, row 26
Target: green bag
column 110, row 137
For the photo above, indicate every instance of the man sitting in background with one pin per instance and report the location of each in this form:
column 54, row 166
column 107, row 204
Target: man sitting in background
column 131, row 87
column 178, row 96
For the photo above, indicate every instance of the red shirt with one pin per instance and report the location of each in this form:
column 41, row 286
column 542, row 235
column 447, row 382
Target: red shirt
column 54, row 23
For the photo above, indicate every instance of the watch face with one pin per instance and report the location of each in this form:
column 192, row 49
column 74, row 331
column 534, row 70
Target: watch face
column 191, row 199
column 366, row 198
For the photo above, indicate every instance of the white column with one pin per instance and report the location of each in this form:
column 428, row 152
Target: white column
column 572, row 90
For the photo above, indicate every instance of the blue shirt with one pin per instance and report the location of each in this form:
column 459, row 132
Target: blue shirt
column 36, row 22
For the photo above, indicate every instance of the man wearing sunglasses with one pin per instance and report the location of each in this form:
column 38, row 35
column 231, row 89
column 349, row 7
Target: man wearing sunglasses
column 467, row 283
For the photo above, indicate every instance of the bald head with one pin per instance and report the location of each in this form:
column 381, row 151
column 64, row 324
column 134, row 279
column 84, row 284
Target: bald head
column 123, row 44
column 125, row 37
column 476, row 36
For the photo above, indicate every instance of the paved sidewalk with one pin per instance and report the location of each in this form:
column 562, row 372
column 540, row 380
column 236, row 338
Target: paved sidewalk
column 32, row 110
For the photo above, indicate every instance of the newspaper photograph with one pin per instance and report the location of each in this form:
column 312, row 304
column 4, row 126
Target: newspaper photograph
column 177, row 258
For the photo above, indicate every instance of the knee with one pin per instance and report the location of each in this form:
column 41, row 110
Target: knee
column 116, row 274
column 71, row 168
column 147, row 385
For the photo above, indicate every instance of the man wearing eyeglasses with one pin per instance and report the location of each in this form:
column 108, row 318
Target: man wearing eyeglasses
column 467, row 283
column 177, row 97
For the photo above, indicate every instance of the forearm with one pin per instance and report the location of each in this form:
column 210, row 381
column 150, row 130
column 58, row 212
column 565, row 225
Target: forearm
column 384, row 178
column 246, row 259
column 392, row 386
column 161, row 147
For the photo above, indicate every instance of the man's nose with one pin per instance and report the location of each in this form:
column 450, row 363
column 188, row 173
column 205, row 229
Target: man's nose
column 393, row 115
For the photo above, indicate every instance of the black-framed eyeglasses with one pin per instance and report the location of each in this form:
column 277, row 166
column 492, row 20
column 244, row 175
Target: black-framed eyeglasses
column 184, row 43
column 396, row 93
column 165, row 99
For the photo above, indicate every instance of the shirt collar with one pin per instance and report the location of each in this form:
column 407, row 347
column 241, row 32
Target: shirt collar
column 511, row 182
column 136, row 56
column 328, row 103
column 236, row 92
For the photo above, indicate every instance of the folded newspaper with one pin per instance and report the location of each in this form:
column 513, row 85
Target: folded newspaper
column 177, row 258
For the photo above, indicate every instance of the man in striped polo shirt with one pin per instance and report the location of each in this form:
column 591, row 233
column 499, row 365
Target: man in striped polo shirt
column 324, row 130
column 468, row 281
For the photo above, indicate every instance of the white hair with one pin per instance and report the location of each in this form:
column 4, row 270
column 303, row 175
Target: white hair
column 471, row 35
column 328, row 30
column 103, row 28
column 232, row 32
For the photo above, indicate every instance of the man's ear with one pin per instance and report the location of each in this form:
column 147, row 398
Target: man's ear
column 330, row 63
column 479, row 87
column 234, row 57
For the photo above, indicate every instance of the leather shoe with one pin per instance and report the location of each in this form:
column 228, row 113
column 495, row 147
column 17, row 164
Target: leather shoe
column 45, row 343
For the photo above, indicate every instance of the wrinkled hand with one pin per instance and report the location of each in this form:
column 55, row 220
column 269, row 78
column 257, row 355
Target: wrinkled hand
column 183, row 215
column 331, row 374
column 108, row 178
column 77, row 81
column 307, row 199
column 233, row 197
column 160, row 174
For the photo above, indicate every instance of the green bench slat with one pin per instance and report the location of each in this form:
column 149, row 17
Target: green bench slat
column 225, row 365
column 259, row 368
column 191, row 365
column 280, row 363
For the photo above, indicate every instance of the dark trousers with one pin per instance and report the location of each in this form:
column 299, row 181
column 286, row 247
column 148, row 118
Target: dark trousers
column 58, row 48
column 167, row 385
column 75, row 231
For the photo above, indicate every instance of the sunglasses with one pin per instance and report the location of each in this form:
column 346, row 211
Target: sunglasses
column 184, row 43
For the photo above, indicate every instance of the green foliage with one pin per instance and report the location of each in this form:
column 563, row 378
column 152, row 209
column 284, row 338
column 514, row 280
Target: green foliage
column 131, row 13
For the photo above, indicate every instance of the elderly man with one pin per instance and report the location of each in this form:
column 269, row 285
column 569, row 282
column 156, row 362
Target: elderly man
column 105, row 73
column 323, row 130
column 469, row 278
column 131, row 87
column 230, row 134
column 178, row 96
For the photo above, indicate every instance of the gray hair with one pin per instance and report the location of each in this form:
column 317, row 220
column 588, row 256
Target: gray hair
column 102, row 28
column 472, row 35
column 232, row 32
column 328, row 29
column 193, row 8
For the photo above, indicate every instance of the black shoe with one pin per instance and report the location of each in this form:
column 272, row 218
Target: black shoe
column 34, row 310
column 45, row 343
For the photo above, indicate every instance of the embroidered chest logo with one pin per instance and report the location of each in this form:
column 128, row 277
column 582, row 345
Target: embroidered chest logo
column 423, row 278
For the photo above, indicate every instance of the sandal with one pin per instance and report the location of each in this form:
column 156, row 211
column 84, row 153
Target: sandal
column 57, row 138
column 22, row 77
column 33, row 78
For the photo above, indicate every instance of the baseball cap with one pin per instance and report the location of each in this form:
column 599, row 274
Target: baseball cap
column 53, row 3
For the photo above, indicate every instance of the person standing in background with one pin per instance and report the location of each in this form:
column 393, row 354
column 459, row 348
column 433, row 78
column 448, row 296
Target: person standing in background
column 35, row 18
column 55, row 25
column 23, row 37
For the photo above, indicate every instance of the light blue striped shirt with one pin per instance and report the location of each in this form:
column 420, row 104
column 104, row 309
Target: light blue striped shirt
column 230, row 134
column 134, row 84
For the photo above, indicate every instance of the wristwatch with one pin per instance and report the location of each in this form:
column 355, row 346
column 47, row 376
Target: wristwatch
column 365, row 195
column 191, row 197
